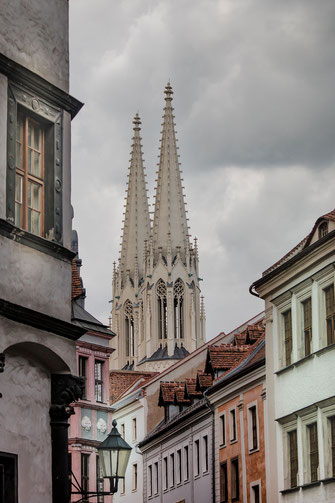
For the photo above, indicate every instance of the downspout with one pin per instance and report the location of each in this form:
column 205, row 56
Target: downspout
column 253, row 293
column 213, row 447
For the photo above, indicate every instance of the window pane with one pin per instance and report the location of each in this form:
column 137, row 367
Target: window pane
column 18, row 155
column 30, row 134
column 29, row 220
column 293, row 449
column 30, row 155
column 36, row 222
column 36, row 138
column 37, row 164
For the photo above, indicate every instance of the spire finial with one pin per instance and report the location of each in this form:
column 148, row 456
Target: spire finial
column 168, row 92
column 137, row 122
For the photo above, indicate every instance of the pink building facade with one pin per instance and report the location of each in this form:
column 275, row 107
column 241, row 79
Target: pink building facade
column 92, row 420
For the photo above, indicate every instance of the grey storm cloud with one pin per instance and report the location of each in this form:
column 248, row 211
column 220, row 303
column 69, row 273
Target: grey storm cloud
column 255, row 116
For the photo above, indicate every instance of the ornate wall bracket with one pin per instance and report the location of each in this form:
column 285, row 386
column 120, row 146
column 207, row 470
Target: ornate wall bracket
column 65, row 389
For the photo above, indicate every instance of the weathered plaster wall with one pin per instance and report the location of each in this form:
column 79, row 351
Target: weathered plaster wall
column 3, row 143
column 25, row 425
column 34, row 33
column 34, row 279
column 16, row 333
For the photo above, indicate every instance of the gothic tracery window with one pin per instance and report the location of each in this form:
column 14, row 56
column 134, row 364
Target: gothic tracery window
column 162, row 309
column 178, row 302
column 129, row 328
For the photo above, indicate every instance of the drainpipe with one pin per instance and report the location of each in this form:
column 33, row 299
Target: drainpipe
column 213, row 447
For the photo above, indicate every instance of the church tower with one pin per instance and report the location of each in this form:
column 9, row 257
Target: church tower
column 157, row 312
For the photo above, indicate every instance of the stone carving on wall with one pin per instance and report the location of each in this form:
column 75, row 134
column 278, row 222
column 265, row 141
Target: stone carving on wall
column 86, row 423
column 65, row 389
column 101, row 426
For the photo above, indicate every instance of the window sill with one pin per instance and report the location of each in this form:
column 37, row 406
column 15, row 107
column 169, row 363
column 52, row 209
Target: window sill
column 222, row 446
column 252, row 451
column 308, row 485
column 290, row 490
column 319, row 352
column 233, row 442
column 311, row 484
column 37, row 242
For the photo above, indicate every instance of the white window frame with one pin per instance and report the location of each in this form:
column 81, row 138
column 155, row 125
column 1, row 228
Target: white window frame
column 307, row 420
column 150, row 481
column 172, row 469
column 166, row 473
column 186, row 460
column 231, row 429
column 197, row 441
column 156, row 479
column 283, row 303
column 250, row 437
column 135, row 488
column 286, row 429
column 204, row 469
column 326, row 414
column 134, row 428
column 303, row 291
column 223, row 443
column 252, row 485
column 324, row 279
column 179, row 468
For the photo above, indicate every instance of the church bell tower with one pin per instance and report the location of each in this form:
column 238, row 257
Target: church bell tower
column 157, row 312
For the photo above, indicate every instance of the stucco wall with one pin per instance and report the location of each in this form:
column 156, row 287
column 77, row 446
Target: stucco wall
column 34, row 33
column 25, row 426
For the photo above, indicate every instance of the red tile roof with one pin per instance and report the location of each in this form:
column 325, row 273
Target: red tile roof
column 224, row 357
column 121, row 380
column 303, row 243
column 203, row 380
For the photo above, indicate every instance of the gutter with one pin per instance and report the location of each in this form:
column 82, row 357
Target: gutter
column 291, row 261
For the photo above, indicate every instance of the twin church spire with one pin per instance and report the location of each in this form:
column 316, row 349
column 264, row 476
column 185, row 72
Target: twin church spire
column 156, row 310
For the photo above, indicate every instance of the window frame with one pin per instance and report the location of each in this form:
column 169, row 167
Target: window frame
column 11, row 459
column 235, row 490
column 205, row 468
column 222, row 429
column 83, row 359
column 197, row 464
column 253, row 426
column 186, row 452
column 165, row 473
column 223, row 487
column 232, row 425
column 134, row 477
column 24, row 102
column 256, row 483
column 99, row 383
column 85, row 473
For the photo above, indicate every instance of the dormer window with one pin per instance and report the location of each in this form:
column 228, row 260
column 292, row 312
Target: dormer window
column 323, row 229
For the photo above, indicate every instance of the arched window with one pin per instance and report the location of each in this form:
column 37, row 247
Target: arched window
column 129, row 326
column 162, row 309
column 178, row 302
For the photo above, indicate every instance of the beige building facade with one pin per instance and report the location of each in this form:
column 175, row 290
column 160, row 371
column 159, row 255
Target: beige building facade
column 157, row 311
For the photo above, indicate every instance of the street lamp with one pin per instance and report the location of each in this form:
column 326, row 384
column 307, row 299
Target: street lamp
column 114, row 453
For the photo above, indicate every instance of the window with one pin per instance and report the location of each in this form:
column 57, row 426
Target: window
column 223, row 483
column 293, row 457
column 29, row 180
column 187, row 472
column 223, row 429
column 232, row 425
column 197, row 457
column 235, row 483
column 255, row 493
column 287, row 317
column 179, row 469
column 205, row 439
column 34, row 178
column 323, row 229
column 123, row 431
column 129, row 328
column 172, row 469
column 166, row 474
column 85, row 474
column 150, row 480
column 162, row 309
column 8, row 478
column 100, row 482
column 307, row 314
column 252, row 428
column 135, row 477
column 332, row 444
column 82, row 362
column 330, row 314
column 178, row 295
column 156, row 478
column 98, row 380
column 313, row 451
column 134, row 429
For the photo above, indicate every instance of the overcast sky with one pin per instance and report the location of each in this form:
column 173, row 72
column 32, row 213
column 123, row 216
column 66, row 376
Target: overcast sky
column 255, row 113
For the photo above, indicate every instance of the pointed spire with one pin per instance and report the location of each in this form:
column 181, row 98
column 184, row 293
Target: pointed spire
column 136, row 228
column 169, row 214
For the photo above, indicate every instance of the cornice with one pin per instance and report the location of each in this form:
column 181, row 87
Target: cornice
column 38, row 243
column 39, row 320
column 18, row 73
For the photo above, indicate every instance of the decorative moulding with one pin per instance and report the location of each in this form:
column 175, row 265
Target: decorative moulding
column 86, row 423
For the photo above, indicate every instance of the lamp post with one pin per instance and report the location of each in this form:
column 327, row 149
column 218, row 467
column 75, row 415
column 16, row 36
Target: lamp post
column 114, row 453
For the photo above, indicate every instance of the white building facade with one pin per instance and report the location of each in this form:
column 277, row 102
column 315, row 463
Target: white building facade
column 300, row 382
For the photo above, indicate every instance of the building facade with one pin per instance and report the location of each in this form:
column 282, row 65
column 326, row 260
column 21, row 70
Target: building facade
column 157, row 312
column 37, row 338
column 92, row 420
column 237, row 400
column 299, row 300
